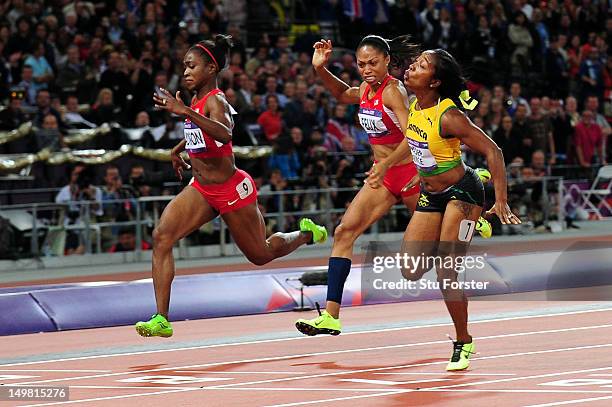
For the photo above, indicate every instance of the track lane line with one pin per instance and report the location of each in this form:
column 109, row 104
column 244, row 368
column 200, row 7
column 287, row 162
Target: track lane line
column 355, row 350
column 255, row 342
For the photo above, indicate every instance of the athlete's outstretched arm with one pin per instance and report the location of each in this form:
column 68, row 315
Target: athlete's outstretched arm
column 457, row 124
column 218, row 126
column 339, row 89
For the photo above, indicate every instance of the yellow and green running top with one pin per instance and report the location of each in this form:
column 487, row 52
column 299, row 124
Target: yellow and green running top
column 432, row 154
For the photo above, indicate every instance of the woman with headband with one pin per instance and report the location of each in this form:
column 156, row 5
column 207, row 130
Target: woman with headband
column 383, row 113
column 452, row 194
column 217, row 186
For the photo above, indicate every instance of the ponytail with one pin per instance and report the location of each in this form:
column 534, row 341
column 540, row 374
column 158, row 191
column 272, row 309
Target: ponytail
column 216, row 50
column 452, row 83
column 400, row 49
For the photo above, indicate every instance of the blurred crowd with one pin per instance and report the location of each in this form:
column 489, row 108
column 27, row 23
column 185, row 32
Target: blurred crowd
column 541, row 70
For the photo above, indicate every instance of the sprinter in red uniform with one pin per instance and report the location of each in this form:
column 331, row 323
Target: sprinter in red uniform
column 217, row 186
column 383, row 113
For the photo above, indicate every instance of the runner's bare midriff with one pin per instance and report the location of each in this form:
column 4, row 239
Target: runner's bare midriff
column 213, row 170
column 438, row 183
column 382, row 151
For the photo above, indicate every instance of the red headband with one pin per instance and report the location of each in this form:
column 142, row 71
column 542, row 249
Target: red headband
column 209, row 54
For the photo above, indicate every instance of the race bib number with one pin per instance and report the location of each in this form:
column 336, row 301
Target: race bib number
column 195, row 139
column 372, row 122
column 422, row 156
column 245, row 188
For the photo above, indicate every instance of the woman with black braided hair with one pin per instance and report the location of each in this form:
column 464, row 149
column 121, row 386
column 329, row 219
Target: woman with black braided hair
column 452, row 194
column 217, row 187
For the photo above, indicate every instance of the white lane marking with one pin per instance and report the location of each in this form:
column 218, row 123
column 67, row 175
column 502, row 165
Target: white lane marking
column 538, row 376
column 563, row 403
column 546, row 315
column 456, row 374
column 236, row 372
column 294, row 356
column 15, row 377
column 575, row 382
column 423, row 364
column 391, row 382
column 517, row 391
column 57, row 370
column 345, row 389
column 302, row 403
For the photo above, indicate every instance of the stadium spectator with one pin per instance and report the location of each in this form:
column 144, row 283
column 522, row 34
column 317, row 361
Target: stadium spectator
column 72, row 72
column 79, row 189
column 521, row 41
column 104, row 110
column 515, row 99
column 285, row 158
column 126, row 241
column 508, row 139
column 591, row 73
column 72, row 117
column 521, row 126
column 270, row 119
column 114, row 190
column 589, row 141
column 538, row 163
column 116, row 79
column 541, row 131
column 557, row 69
column 43, row 103
column 12, row 117
column 337, row 125
column 41, row 69
column 27, row 84
column 562, row 130
column 49, row 135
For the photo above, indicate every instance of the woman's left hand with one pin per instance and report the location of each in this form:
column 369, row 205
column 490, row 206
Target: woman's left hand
column 503, row 212
column 376, row 175
column 173, row 104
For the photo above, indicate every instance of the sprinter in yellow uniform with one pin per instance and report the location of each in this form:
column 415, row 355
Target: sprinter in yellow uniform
column 452, row 194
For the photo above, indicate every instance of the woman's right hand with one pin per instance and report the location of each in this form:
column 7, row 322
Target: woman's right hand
column 323, row 50
column 178, row 164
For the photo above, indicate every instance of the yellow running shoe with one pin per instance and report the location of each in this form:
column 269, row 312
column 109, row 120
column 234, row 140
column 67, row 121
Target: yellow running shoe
column 323, row 324
column 484, row 228
column 483, row 174
column 460, row 360
column 319, row 233
column 158, row 325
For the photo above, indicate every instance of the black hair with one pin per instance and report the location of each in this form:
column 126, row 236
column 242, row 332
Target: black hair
column 400, row 49
column 448, row 72
column 86, row 178
column 219, row 47
column 127, row 230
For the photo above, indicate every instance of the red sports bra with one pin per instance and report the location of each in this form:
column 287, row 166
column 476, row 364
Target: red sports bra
column 200, row 144
column 377, row 120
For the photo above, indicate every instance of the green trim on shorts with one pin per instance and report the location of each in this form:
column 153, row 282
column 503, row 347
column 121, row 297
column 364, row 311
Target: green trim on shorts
column 442, row 168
